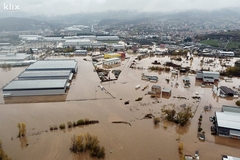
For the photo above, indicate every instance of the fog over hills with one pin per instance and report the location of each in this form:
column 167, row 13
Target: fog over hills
column 23, row 21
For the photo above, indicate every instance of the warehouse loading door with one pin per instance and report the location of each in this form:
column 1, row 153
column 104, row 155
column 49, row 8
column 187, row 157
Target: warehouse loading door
column 235, row 134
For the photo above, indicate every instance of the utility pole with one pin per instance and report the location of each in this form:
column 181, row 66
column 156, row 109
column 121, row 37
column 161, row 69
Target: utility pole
column 95, row 92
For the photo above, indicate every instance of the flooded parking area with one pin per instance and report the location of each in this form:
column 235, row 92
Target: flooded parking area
column 140, row 140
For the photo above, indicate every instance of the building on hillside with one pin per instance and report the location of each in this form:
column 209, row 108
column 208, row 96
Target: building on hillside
column 35, row 87
column 207, row 76
column 227, row 122
column 112, row 62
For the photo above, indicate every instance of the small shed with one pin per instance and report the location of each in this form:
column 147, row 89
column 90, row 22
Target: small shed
column 153, row 79
column 186, row 79
column 156, row 89
column 166, row 92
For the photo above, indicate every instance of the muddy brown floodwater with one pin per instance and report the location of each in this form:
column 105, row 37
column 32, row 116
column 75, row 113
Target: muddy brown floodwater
column 140, row 140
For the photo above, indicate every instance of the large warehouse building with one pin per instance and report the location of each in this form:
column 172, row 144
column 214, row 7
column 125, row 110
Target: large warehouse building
column 35, row 87
column 227, row 122
column 52, row 65
column 107, row 38
column 38, row 75
column 208, row 76
column 225, row 157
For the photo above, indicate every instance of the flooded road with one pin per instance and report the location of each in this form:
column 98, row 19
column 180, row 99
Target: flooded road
column 142, row 140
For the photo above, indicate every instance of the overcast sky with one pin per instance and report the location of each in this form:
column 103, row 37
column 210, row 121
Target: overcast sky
column 64, row 7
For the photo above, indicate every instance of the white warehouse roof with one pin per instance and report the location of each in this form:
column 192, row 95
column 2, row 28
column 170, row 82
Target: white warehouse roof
column 53, row 65
column 14, row 57
column 228, row 120
column 57, row 73
column 229, row 158
column 209, row 72
column 35, row 84
column 102, row 38
column 78, row 41
column 112, row 59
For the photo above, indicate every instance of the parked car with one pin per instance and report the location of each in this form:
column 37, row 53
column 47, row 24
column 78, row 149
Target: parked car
column 213, row 128
column 196, row 155
column 211, row 119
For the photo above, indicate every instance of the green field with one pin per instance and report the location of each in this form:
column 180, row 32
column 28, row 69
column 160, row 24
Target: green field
column 211, row 42
column 233, row 45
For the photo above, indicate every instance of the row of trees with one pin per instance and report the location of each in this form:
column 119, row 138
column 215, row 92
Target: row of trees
column 231, row 71
column 180, row 151
column 70, row 124
column 87, row 143
column 21, row 129
column 181, row 117
column 158, row 68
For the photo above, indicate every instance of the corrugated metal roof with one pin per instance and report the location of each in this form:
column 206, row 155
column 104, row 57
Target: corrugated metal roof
column 228, row 120
column 107, row 38
column 166, row 90
column 112, row 59
column 14, row 57
column 35, row 84
column 227, row 90
column 156, row 86
column 53, row 64
column 78, row 40
column 234, row 109
column 229, row 158
column 58, row 73
column 209, row 72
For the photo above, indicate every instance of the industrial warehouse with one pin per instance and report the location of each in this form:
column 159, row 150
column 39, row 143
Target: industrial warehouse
column 45, row 77
column 44, row 65
column 227, row 122
column 36, row 75
column 35, row 87
column 208, row 76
